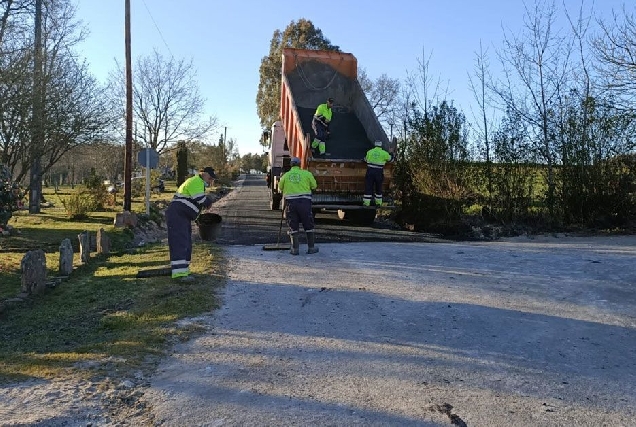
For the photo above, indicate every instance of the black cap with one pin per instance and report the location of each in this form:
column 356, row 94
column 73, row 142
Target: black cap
column 209, row 170
column 330, row 100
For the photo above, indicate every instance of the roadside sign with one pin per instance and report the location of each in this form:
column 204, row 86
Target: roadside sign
column 148, row 157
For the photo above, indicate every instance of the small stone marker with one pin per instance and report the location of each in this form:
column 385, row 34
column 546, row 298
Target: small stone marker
column 85, row 246
column 103, row 242
column 33, row 271
column 66, row 257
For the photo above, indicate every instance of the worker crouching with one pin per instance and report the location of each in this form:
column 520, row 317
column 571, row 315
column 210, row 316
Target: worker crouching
column 184, row 208
column 296, row 186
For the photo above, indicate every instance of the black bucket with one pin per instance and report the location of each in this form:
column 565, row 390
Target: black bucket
column 209, row 225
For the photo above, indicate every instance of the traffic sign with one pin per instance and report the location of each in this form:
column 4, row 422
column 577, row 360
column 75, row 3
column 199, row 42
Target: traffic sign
column 148, row 157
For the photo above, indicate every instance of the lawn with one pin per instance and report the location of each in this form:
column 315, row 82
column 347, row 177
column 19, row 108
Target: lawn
column 102, row 315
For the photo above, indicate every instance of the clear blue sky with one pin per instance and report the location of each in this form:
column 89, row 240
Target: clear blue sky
column 227, row 39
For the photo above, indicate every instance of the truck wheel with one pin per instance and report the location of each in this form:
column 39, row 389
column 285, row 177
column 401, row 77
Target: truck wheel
column 274, row 202
column 365, row 217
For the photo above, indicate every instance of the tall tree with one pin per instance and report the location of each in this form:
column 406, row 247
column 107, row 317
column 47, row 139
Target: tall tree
column 300, row 34
column 73, row 112
column 536, row 71
column 167, row 106
column 384, row 96
column 616, row 51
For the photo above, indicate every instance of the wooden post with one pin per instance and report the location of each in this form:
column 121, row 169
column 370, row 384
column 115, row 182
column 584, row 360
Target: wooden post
column 129, row 115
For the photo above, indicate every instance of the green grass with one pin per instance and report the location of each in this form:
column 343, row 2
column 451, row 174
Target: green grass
column 102, row 317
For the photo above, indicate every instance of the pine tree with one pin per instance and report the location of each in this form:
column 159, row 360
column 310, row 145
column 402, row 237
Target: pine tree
column 298, row 34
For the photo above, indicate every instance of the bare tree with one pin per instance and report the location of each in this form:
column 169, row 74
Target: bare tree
column 479, row 86
column 478, row 83
column 166, row 101
column 616, row 51
column 536, row 70
column 383, row 94
column 426, row 89
column 73, row 112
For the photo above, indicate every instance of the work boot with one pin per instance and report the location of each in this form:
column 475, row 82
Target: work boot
column 311, row 240
column 295, row 244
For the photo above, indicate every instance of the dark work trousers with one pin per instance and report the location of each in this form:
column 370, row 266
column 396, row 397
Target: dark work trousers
column 179, row 219
column 299, row 211
column 319, row 129
column 373, row 183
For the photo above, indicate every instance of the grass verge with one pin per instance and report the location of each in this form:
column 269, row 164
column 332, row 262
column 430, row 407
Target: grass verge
column 104, row 319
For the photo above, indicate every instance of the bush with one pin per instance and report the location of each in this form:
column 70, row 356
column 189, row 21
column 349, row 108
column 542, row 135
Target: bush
column 78, row 204
column 97, row 191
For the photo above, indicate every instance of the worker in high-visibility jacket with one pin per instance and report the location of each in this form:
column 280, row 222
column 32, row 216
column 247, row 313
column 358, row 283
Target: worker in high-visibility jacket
column 296, row 186
column 376, row 158
column 320, row 125
column 184, row 208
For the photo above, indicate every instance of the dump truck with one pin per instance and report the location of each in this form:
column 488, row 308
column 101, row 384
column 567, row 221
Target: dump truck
column 309, row 78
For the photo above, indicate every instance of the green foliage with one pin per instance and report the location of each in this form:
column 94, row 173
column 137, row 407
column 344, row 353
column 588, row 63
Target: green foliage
column 254, row 161
column 182, row 162
column 10, row 196
column 97, row 194
column 431, row 169
column 138, row 185
column 78, row 204
column 91, row 197
column 300, row 34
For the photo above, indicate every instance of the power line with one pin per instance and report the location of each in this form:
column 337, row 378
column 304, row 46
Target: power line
column 157, row 27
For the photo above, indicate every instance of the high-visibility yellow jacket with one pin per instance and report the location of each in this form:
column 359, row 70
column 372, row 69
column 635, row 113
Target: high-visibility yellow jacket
column 324, row 113
column 192, row 194
column 297, row 184
column 377, row 157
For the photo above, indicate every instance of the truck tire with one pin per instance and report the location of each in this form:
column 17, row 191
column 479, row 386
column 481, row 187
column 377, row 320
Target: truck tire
column 364, row 217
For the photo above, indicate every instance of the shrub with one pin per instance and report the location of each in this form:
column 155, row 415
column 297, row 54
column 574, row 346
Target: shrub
column 97, row 191
column 78, row 204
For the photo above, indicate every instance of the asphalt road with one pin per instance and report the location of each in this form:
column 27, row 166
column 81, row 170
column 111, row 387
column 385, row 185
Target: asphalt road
column 519, row 332
column 247, row 220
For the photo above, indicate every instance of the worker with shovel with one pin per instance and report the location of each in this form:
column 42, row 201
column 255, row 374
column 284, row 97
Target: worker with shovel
column 184, row 208
column 296, row 186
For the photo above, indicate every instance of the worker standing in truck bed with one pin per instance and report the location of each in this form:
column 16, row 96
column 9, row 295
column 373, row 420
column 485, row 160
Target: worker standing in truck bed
column 320, row 125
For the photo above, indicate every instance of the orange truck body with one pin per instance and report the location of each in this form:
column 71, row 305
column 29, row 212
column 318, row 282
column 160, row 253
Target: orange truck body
column 309, row 77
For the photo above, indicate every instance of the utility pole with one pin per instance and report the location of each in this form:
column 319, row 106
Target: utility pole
column 225, row 145
column 128, row 155
column 37, row 134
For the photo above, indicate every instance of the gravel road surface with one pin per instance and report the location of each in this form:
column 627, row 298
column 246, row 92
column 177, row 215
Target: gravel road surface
column 520, row 332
